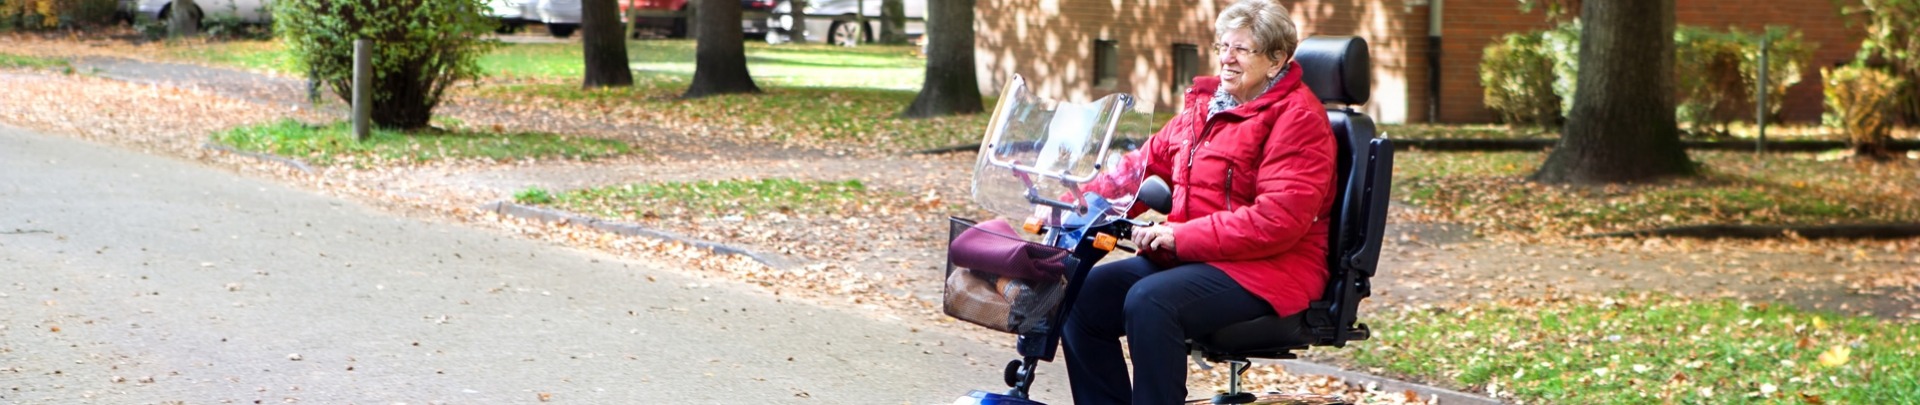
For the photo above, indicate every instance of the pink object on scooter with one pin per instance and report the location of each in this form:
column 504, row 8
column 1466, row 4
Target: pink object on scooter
column 992, row 246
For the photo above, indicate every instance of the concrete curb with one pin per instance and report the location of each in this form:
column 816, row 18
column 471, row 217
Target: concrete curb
column 1437, row 394
column 290, row 162
column 1847, row 231
column 547, row 215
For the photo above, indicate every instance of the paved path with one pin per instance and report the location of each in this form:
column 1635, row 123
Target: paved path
column 278, row 92
column 127, row 278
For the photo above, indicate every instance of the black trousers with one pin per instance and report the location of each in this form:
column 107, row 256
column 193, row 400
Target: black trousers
column 1157, row 310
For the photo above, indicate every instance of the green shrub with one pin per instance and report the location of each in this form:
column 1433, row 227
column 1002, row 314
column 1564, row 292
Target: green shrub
column 1716, row 72
column 48, row 14
column 1788, row 55
column 1563, row 44
column 1530, row 77
column 1715, row 94
column 1516, row 74
column 1707, row 70
column 1862, row 101
column 421, row 47
column 1893, row 36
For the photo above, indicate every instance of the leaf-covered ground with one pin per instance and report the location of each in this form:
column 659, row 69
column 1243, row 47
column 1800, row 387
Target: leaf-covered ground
column 1638, row 348
column 1489, row 191
column 881, row 255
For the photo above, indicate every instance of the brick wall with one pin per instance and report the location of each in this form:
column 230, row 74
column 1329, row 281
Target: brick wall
column 1470, row 25
column 1466, row 28
column 1051, row 44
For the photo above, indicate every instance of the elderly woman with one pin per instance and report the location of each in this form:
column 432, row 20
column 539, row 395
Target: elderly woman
column 1251, row 161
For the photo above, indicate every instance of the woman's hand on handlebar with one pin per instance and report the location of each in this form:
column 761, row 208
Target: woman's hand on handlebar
column 1154, row 237
column 1042, row 214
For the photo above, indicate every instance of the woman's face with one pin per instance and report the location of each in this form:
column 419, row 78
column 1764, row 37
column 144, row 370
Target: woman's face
column 1243, row 70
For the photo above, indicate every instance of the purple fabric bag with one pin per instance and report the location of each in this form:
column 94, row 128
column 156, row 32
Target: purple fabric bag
column 992, row 246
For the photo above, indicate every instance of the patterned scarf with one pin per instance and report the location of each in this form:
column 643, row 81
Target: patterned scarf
column 1222, row 100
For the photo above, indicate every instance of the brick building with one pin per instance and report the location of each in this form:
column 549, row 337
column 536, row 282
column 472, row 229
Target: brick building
column 1078, row 49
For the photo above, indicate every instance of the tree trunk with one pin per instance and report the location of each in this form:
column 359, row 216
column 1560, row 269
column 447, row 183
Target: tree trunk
column 798, row 12
column 720, row 59
column 183, row 19
column 689, row 20
column 605, row 46
column 893, row 22
column 951, row 86
column 1622, row 127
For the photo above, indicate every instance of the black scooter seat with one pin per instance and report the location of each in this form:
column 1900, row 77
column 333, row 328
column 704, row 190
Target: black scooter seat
column 1267, row 335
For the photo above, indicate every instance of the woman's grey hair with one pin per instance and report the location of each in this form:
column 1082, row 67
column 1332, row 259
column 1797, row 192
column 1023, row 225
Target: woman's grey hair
column 1273, row 32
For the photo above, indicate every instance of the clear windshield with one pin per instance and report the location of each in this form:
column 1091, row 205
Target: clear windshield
column 1038, row 151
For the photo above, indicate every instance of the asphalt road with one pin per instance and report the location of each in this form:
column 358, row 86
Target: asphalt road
column 127, row 278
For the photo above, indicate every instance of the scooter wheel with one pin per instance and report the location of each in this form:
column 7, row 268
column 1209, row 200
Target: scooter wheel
column 1012, row 374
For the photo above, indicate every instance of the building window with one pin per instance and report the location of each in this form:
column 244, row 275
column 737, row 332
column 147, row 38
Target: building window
column 1186, row 66
column 1106, row 63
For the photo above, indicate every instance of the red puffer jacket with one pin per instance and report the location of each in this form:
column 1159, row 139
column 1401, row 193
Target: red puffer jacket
column 1251, row 188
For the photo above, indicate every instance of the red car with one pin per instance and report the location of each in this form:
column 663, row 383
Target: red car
column 671, row 15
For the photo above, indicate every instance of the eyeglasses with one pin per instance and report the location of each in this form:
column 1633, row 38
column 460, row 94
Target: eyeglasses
column 1237, row 50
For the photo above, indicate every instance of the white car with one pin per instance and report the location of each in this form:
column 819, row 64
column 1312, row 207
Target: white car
column 833, row 20
column 248, row 11
column 562, row 17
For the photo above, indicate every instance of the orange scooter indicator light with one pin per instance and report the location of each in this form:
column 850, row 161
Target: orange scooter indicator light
column 1106, row 242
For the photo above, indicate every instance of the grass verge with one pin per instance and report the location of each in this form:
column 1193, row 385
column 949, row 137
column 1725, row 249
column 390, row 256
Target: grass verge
column 843, row 116
column 334, row 144
column 1650, row 349
column 815, row 65
column 1472, row 131
column 813, row 94
column 34, row 62
column 1490, row 191
column 263, row 55
column 717, row 198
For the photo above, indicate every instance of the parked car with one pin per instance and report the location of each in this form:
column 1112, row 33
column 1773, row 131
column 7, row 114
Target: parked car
column 513, row 15
column 833, row 20
column 671, row 16
column 247, row 11
column 562, row 17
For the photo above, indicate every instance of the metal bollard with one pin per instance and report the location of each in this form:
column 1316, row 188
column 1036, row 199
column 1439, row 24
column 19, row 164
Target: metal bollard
column 362, row 74
column 1760, row 97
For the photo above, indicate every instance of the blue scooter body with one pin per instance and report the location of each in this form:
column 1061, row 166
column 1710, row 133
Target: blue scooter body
column 978, row 397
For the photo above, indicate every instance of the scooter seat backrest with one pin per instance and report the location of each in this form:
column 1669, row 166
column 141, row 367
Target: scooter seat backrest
column 1338, row 70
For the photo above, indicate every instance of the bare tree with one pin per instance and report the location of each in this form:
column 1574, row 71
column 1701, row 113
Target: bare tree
column 604, row 44
column 951, row 86
column 720, row 59
column 1622, row 127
